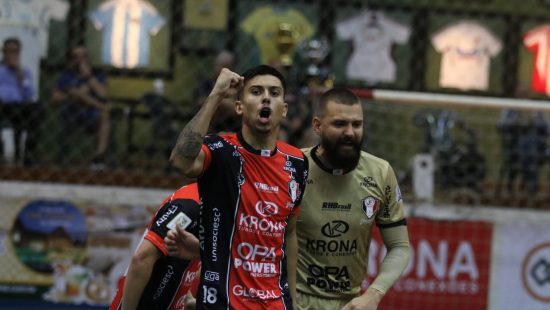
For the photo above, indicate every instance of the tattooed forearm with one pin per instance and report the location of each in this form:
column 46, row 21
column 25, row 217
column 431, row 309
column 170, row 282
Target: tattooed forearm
column 189, row 141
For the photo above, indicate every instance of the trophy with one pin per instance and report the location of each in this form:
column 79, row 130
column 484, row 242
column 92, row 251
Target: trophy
column 286, row 40
column 313, row 52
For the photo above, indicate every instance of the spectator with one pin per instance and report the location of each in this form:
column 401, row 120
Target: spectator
column 81, row 91
column 16, row 92
column 225, row 120
column 524, row 136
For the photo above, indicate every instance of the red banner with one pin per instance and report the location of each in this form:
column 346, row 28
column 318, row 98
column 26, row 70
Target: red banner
column 449, row 266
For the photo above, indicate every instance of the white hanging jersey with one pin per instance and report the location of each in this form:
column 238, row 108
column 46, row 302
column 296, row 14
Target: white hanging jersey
column 18, row 20
column 467, row 48
column 537, row 40
column 372, row 40
column 126, row 25
column 47, row 10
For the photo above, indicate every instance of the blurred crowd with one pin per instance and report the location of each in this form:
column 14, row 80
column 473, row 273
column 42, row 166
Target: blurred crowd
column 80, row 95
column 84, row 128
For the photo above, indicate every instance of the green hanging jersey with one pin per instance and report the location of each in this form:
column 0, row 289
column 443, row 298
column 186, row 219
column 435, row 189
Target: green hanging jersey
column 335, row 223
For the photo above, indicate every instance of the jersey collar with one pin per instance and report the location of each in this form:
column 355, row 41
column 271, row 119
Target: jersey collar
column 248, row 147
column 323, row 166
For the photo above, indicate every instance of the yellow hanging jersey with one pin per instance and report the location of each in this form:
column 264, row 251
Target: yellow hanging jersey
column 263, row 25
column 335, row 222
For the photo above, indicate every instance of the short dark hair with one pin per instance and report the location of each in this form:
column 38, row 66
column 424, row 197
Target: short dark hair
column 339, row 95
column 264, row 70
column 12, row 40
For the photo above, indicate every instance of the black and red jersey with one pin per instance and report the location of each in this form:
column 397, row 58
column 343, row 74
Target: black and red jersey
column 171, row 277
column 248, row 196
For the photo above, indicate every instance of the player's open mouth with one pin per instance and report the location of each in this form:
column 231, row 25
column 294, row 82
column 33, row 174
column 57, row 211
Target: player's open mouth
column 265, row 113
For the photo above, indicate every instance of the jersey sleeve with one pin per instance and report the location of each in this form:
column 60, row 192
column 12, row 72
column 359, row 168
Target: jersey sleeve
column 98, row 18
column 530, row 39
column 170, row 214
column 58, row 9
column 345, row 29
column 252, row 21
column 491, row 42
column 399, row 33
column 153, row 22
column 392, row 213
column 210, row 146
column 442, row 39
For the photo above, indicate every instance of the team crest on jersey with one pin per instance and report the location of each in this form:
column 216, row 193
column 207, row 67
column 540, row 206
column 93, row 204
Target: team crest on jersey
column 370, row 206
column 293, row 190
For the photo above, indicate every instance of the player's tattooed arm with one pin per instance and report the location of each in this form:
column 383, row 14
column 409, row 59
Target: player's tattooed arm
column 187, row 154
column 189, row 141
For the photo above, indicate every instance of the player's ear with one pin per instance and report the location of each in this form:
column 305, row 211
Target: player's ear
column 239, row 107
column 285, row 110
column 316, row 125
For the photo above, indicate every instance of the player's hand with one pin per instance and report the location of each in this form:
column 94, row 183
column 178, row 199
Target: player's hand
column 190, row 301
column 368, row 301
column 84, row 69
column 77, row 92
column 227, row 86
column 182, row 244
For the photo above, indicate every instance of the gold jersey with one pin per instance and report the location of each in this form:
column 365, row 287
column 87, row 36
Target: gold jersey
column 335, row 223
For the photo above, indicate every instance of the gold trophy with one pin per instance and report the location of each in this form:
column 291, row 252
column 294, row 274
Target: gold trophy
column 286, row 40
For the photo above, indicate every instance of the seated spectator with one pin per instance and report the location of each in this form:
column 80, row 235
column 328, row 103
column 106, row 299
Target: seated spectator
column 524, row 135
column 226, row 120
column 16, row 92
column 81, row 91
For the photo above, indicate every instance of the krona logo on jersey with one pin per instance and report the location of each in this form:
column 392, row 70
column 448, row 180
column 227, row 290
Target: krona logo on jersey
column 266, row 208
column 267, row 227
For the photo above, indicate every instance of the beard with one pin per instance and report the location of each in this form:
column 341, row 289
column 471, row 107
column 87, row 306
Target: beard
column 337, row 157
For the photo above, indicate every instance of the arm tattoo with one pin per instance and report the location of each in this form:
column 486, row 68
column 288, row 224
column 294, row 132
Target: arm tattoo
column 189, row 141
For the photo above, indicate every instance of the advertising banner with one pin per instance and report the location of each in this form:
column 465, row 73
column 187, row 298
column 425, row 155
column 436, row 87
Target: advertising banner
column 449, row 266
column 521, row 266
column 66, row 251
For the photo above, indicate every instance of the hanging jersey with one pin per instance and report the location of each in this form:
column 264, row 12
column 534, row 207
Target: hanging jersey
column 467, row 48
column 48, row 10
column 18, row 20
column 248, row 197
column 171, row 277
column 335, row 222
column 126, row 26
column 373, row 35
column 537, row 41
column 263, row 24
